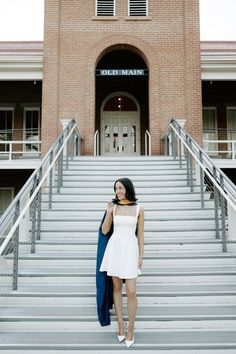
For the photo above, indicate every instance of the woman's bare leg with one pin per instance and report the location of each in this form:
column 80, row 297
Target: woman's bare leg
column 132, row 305
column 118, row 301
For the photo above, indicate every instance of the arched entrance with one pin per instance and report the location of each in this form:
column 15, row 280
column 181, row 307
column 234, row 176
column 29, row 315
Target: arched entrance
column 122, row 101
column 120, row 125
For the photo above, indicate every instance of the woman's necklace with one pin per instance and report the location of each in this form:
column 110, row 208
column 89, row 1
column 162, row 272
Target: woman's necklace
column 128, row 203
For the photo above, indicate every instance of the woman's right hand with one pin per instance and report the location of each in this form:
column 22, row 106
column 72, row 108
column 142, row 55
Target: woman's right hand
column 110, row 206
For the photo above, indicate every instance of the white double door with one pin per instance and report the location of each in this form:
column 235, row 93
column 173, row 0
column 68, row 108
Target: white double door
column 120, row 133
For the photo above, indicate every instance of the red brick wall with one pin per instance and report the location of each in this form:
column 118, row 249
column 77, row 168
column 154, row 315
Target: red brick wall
column 75, row 40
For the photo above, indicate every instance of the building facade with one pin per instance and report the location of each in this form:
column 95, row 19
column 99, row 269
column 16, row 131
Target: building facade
column 121, row 69
column 144, row 53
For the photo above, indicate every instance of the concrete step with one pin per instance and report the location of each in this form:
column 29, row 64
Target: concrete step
column 117, row 167
column 143, row 160
column 178, row 235
column 116, row 351
column 144, row 298
column 159, row 290
column 154, row 270
column 72, row 223
column 123, row 159
column 156, row 278
column 148, row 262
column 62, row 197
column 142, row 190
column 151, row 249
column 145, row 340
column 65, row 326
column 196, row 277
column 147, row 204
column 144, row 178
column 138, row 183
column 129, row 171
column 180, row 256
column 154, row 312
column 149, row 214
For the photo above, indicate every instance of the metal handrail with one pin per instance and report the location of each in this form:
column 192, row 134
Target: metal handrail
column 9, row 152
column 96, row 143
column 230, row 194
column 32, row 190
column 231, row 151
column 224, row 189
column 148, row 143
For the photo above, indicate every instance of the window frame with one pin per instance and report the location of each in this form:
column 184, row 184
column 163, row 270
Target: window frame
column 114, row 10
column 141, row 16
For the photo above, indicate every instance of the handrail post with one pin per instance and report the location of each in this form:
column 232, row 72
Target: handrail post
column 145, row 140
column 191, row 167
column 201, row 182
column 50, row 182
column 10, row 150
column 33, row 223
column 78, row 143
column 67, row 152
column 165, row 145
column 188, row 163
column 73, row 146
column 39, row 206
column 15, row 249
column 216, row 205
column 222, row 204
column 173, row 139
column 180, row 150
column 59, row 168
column 61, row 164
column 96, row 143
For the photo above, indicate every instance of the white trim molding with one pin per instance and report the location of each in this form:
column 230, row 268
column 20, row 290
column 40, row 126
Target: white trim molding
column 218, row 60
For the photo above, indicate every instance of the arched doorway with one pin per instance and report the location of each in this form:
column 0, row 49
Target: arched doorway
column 120, row 125
column 122, row 101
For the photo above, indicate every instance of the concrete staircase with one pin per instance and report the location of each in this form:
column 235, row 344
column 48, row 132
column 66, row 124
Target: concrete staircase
column 187, row 290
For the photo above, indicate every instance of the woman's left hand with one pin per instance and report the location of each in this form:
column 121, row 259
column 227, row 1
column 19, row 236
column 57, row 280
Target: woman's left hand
column 140, row 262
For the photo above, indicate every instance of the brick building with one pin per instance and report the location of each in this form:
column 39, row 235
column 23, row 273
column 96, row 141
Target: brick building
column 86, row 46
column 120, row 68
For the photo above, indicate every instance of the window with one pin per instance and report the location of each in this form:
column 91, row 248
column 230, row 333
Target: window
column 231, row 129
column 105, row 7
column 138, row 8
column 6, row 197
column 32, row 127
column 6, row 122
column 210, row 131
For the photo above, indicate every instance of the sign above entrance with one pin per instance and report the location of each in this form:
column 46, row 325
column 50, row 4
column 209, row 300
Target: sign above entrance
column 121, row 72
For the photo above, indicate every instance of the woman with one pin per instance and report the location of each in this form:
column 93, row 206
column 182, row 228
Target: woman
column 123, row 257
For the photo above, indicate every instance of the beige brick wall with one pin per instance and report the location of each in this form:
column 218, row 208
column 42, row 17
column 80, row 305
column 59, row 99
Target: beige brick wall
column 75, row 40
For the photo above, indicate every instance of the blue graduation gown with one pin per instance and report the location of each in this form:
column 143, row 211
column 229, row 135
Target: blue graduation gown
column 103, row 281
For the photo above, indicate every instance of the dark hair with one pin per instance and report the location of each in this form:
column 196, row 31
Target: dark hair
column 129, row 188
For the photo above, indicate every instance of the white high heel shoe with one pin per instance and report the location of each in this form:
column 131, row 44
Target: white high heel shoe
column 120, row 338
column 129, row 343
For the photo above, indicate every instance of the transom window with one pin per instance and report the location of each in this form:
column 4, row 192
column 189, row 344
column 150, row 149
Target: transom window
column 138, row 7
column 105, row 7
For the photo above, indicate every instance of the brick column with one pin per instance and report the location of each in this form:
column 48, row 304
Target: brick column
column 50, row 88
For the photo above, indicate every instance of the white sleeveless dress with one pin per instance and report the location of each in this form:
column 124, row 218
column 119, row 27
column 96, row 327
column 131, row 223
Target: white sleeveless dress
column 121, row 255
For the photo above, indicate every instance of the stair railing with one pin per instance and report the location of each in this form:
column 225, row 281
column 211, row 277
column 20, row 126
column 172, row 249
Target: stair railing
column 148, row 143
column 202, row 172
column 96, row 143
column 20, row 225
